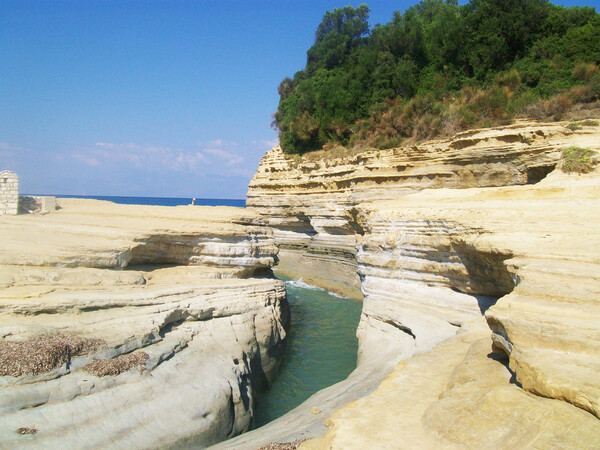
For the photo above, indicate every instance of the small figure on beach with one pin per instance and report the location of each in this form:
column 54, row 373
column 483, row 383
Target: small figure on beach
column 193, row 200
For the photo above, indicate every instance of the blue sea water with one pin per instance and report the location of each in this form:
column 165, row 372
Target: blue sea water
column 163, row 201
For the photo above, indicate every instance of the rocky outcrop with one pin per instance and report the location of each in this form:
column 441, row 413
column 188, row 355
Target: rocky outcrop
column 457, row 396
column 439, row 235
column 174, row 288
column 522, row 244
column 310, row 203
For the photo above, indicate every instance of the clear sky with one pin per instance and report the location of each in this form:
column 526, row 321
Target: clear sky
column 150, row 98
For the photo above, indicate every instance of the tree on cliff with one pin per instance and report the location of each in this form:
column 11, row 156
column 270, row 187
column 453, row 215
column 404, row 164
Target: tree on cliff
column 340, row 30
column 435, row 69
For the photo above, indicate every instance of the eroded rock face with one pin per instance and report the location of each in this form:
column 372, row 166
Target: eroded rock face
column 423, row 278
column 172, row 283
column 310, row 204
column 457, row 396
column 546, row 323
column 444, row 233
column 532, row 236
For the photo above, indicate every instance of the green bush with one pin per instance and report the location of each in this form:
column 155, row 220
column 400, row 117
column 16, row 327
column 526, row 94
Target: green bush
column 577, row 160
column 584, row 71
column 437, row 68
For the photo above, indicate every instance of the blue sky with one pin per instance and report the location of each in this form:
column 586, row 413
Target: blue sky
column 149, row 98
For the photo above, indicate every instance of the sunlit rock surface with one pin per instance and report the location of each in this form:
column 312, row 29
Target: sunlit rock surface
column 310, row 203
column 174, row 283
column 522, row 243
column 440, row 234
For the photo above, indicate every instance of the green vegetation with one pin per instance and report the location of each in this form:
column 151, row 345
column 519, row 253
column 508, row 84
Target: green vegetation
column 590, row 123
column 577, row 160
column 579, row 125
column 436, row 69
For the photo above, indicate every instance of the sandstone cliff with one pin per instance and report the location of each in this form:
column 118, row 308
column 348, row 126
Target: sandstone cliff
column 178, row 332
column 436, row 236
column 309, row 204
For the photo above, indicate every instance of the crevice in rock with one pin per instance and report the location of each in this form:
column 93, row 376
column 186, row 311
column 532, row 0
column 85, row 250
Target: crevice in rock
column 401, row 327
column 301, row 224
column 263, row 272
column 231, row 432
column 500, row 342
column 504, row 360
column 167, row 328
column 354, row 222
column 148, row 267
column 485, row 302
column 537, row 174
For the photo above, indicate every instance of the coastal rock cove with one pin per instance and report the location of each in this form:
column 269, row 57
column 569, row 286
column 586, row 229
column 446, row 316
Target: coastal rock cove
column 477, row 260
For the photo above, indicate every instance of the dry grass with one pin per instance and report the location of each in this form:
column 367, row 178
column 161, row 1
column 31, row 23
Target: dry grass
column 42, row 353
column 115, row 366
column 283, row 445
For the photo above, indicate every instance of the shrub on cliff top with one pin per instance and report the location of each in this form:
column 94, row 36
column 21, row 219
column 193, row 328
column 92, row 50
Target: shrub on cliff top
column 437, row 68
column 577, row 160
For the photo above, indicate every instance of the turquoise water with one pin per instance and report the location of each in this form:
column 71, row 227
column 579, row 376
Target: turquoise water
column 321, row 349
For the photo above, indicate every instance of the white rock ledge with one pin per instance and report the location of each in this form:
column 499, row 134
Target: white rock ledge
column 213, row 336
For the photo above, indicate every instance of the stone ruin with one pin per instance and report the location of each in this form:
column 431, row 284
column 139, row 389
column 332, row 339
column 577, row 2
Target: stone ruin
column 9, row 192
column 12, row 203
column 36, row 204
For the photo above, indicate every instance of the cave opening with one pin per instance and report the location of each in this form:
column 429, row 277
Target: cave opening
column 538, row 173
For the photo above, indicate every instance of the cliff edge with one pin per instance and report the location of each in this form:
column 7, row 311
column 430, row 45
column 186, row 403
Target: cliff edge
column 478, row 261
column 135, row 326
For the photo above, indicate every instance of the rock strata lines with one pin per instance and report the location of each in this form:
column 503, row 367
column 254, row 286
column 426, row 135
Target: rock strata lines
column 478, row 261
column 186, row 334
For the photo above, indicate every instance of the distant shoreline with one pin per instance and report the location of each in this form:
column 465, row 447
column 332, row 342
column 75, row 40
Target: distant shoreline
column 158, row 201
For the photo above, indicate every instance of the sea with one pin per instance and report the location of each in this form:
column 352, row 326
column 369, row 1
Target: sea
column 163, row 201
column 321, row 348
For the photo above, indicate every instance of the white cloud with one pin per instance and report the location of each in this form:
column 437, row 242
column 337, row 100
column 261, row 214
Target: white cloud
column 223, row 151
column 145, row 157
column 86, row 159
column 231, row 158
column 226, row 158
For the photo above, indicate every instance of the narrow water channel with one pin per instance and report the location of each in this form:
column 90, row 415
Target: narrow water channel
column 321, row 349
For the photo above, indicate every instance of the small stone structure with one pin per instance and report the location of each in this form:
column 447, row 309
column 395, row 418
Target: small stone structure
column 36, row 204
column 9, row 192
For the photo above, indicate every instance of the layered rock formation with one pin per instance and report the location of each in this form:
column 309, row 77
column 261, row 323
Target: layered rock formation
column 179, row 331
column 522, row 243
column 309, row 204
column 437, row 233
column 476, row 256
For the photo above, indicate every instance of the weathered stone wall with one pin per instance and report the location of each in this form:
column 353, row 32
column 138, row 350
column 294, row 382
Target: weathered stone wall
column 33, row 204
column 9, row 192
